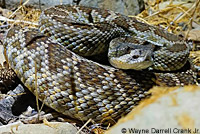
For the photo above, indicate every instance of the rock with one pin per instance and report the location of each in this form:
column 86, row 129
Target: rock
column 51, row 128
column 6, row 104
column 127, row 7
column 177, row 110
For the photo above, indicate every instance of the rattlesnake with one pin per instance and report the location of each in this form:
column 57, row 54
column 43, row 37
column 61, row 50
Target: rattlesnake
column 84, row 89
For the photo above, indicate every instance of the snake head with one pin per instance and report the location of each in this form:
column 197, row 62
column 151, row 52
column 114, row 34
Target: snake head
column 130, row 53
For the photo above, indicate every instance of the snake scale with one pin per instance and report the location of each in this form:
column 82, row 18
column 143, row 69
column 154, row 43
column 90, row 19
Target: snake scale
column 81, row 88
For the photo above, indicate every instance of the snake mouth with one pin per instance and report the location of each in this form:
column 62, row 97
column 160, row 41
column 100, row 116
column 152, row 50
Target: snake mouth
column 136, row 60
column 135, row 66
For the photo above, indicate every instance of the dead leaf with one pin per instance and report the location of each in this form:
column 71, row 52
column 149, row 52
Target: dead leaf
column 194, row 35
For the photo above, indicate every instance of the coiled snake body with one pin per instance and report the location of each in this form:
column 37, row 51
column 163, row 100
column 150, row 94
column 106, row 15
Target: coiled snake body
column 81, row 88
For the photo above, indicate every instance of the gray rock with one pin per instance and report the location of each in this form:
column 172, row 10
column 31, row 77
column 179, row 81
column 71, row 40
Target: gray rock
column 127, row 7
column 6, row 104
column 51, row 128
column 171, row 111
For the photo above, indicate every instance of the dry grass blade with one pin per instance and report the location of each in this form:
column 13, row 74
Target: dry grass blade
column 191, row 19
column 2, row 18
column 19, row 8
column 83, row 126
column 24, row 16
column 172, row 22
column 36, row 92
column 187, row 12
column 37, row 95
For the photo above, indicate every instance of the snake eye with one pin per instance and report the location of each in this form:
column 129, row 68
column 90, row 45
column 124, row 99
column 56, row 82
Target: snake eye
column 135, row 56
